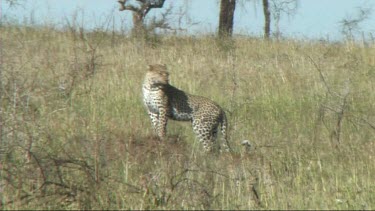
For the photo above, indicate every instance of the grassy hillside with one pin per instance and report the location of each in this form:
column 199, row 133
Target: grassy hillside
column 75, row 134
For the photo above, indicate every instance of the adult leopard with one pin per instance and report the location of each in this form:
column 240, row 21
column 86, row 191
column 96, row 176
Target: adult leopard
column 164, row 101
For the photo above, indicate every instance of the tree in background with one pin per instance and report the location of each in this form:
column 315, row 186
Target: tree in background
column 12, row 2
column 350, row 25
column 267, row 19
column 139, row 12
column 279, row 8
column 227, row 8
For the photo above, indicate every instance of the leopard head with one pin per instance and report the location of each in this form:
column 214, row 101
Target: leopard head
column 157, row 75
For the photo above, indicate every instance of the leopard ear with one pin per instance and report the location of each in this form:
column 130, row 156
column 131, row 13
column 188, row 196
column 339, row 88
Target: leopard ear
column 149, row 67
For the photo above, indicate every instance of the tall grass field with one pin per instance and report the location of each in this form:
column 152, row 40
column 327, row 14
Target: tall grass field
column 76, row 135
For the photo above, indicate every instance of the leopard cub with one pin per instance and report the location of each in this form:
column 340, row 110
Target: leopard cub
column 164, row 101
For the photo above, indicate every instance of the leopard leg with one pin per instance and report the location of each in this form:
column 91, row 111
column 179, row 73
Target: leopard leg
column 206, row 134
column 162, row 123
column 154, row 119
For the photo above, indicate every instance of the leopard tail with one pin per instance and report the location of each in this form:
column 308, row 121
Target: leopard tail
column 224, row 126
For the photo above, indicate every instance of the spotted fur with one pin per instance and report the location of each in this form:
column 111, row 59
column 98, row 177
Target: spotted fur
column 164, row 101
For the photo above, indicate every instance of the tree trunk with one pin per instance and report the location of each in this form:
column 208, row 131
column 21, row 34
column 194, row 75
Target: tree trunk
column 138, row 25
column 267, row 19
column 139, row 13
column 227, row 8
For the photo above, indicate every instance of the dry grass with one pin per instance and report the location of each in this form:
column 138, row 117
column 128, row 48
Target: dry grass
column 76, row 136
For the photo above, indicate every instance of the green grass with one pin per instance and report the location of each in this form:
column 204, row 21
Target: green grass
column 76, row 135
